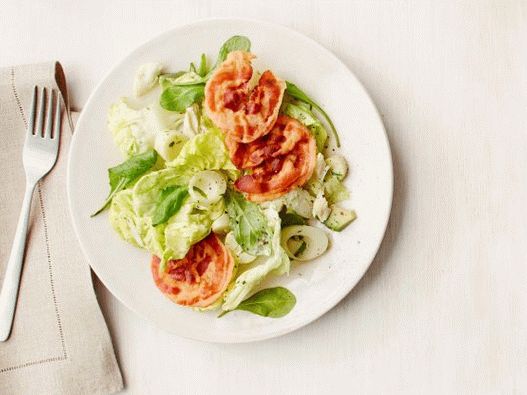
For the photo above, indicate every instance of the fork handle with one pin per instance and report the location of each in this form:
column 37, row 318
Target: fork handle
column 11, row 284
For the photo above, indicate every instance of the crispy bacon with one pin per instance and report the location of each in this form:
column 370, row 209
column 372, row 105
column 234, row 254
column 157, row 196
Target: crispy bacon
column 242, row 114
column 278, row 162
column 198, row 279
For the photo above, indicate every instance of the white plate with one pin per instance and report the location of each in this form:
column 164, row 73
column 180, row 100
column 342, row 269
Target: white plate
column 318, row 285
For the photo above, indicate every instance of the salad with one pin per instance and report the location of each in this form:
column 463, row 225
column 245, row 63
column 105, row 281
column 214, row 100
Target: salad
column 230, row 175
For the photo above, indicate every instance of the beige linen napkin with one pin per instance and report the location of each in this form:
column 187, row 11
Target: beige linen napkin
column 59, row 343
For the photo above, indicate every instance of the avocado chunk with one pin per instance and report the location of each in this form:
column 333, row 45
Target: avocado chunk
column 340, row 218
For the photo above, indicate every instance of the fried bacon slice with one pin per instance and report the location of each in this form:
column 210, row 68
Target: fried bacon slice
column 243, row 114
column 198, row 279
column 278, row 162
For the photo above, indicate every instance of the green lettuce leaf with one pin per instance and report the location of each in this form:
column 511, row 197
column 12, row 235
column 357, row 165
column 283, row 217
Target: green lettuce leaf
column 134, row 130
column 205, row 151
column 189, row 226
column 249, row 224
column 134, row 229
column 335, row 191
column 277, row 263
column 298, row 201
column 170, row 240
column 168, row 143
column 147, row 192
column 184, row 223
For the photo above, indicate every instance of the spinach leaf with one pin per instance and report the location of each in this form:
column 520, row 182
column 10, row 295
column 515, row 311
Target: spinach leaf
column 270, row 302
column 235, row 43
column 178, row 98
column 291, row 218
column 297, row 93
column 171, row 200
column 249, row 224
column 202, row 70
column 126, row 173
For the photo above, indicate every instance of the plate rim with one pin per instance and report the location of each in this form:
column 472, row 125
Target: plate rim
column 345, row 290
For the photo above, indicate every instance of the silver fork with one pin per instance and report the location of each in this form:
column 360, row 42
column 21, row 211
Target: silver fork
column 39, row 157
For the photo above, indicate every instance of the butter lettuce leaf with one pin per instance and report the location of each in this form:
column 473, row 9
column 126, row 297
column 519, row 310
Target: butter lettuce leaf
column 134, row 229
column 298, row 201
column 147, row 192
column 334, row 190
column 188, row 226
column 249, row 224
column 134, row 129
column 170, row 240
column 277, row 263
column 205, row 151
column 191, row 222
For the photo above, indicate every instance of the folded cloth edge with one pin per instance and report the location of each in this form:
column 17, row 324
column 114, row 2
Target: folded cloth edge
column 53, row 73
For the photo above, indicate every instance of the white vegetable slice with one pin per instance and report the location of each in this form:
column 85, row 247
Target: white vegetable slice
column 146, row 77
column 168, row 143
column 191, row 121
column 207, row 187
column 304, row 242
column 300, row 201
column 221, row 224
column 338, row 166
column 321, row 168
column 232, row 244
column 321, row 208
column 316, row 183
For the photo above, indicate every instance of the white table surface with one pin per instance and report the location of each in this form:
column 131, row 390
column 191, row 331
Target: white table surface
column 443, row 308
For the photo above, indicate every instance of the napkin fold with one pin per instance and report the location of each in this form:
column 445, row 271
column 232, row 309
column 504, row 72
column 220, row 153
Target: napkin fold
column 59, row 343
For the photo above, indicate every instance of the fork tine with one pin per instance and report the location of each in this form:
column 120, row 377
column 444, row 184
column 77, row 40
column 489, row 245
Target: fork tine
column 49, row 115
column 33, row 111
column 40, row 123
column 57, row 125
